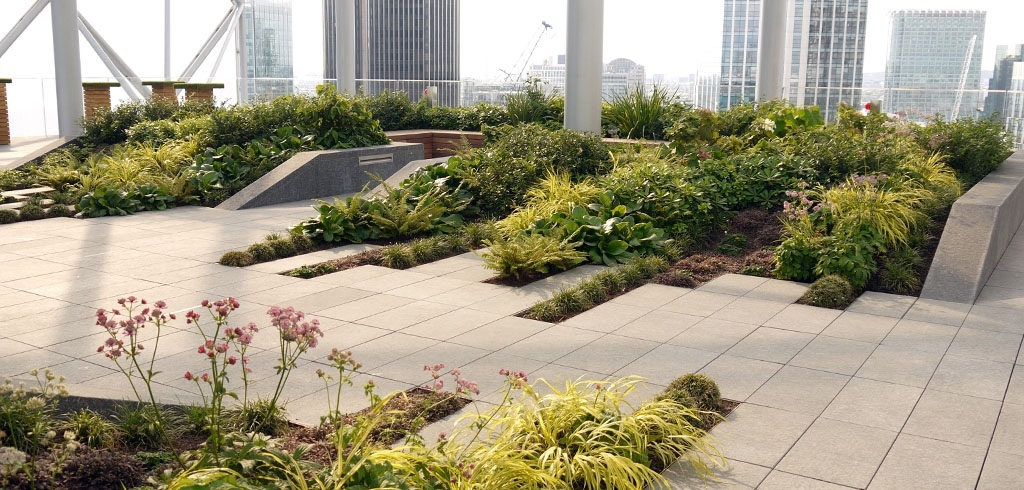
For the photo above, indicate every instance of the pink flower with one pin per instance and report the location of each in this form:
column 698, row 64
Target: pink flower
column 189, row 376
column 232, row 360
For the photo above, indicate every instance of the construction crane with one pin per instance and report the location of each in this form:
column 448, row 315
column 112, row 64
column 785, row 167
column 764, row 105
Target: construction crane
column 963, row 79
column 527, row 54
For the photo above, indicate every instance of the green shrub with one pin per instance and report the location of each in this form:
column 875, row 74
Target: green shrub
column 152, row 132
column 899, row 272
column 343, row 221
column 397, row 256
column 732, row 244
column 597, row 289
column 260, row 416
column 237, row 258
column 831, row 291
column 974, row 147
column 262, row 252
column 530, row 104
column 393, row 109
column 530, row 255
column 307, row 271
column 282, row 248
column 8, row 216
column 31, row 211
column 477, row 233
column 90, row 428
column 27, row 412
column 697, row 391
column 140, row 426
column 302, row 243
column 14, row 179
column 638, row 114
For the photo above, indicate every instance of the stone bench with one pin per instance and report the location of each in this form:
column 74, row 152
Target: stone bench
column 980, row 226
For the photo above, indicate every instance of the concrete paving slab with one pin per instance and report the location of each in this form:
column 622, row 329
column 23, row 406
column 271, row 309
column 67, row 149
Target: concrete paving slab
column 658, row 326
column 911, row 334
column 749, row 310
column 780, row 480
column 651, row 296
column 451, row 324
column 874, row 404
column 900, row 365
column 803, row 318
column 699, row 303
column 400, row 317
column 737, row 475
column 607, row 317
column 666, row 363
column 974, row 377
column 834, row 355
column 738, row 377
column 1009, row 434
column 771, row 344
column 851, row 463
column 1015, row 392
column 1001, row 297
column 734, row 284
column 713, row 335
column 881, row 304
column 983, row 344
column 995, row 319
column 760, row 435
column 919, row 462
column 501, row 333
column 954, row 418
column 800, row 390
column 552, row 343
column 860, row 326
column 607, row 354
column 468, row 294
column 937, row 311
column 778, row 291
column 1001, row 471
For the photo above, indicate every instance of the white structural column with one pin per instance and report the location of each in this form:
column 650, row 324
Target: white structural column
column 583, row 65
column 345, row 45
column 771, row 51
column 167, row 39
column 67, row 67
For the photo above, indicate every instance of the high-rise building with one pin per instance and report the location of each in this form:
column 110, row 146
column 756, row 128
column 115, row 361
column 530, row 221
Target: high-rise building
column 740, row 28
column 704, row 91
column 408, row 45
column 824, row 46
column 934, row 63
column 825, row 50
column 265, row 49
column 1002, row 74
column 1013, row 105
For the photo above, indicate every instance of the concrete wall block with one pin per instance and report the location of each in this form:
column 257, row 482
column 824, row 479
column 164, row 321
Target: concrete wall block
column 321, row 174
column 980, row 227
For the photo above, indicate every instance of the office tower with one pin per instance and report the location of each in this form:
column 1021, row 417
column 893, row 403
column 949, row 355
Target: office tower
column 934, row 63
column 704, row 92
column 824, row 46
column 1002, row 75
column 406, row 45
column 1013, row 105
column 739, row 52
column 265, row 49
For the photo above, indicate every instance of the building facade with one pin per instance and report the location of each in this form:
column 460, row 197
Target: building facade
column 264, row 49
column 1002, row 76
column 934, row 64
column 824, row 52
column 407, row 45
column 704, row 91
column 618, row 77
column 1013, row 106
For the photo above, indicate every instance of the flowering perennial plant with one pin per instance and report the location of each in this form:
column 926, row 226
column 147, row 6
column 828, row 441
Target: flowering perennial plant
column 343, row 362
column 296, row 336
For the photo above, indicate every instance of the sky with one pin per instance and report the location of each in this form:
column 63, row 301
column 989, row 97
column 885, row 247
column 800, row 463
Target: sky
column 670, row 37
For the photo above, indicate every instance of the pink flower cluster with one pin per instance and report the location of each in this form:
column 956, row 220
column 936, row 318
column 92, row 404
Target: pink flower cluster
column 516, row 379
column 292, row 327
column 124, row 328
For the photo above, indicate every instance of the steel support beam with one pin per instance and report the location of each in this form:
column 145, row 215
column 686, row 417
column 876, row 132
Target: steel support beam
column 127, row 77
column 67, row 67
column 583, row 65
column 345, row 47
column 771, row 51
column 24, row 22
column 229, row 20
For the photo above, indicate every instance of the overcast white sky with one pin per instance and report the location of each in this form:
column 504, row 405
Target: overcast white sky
column 671, row 37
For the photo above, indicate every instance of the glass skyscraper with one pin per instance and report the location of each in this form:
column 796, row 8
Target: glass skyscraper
column 925, row 72
column 1002, row 76
column 824, row 46
column 265, row 49
column 406, row 45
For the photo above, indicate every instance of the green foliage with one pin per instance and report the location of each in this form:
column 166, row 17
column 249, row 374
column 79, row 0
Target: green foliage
column 31, row 211
column 107, row 202
column 237, row 258
column 261, row 252
column 8, row 216
column 973, row 147
column 260, row 416
column 90, row 428
column 531, row 105
column 152, row 132
column 59, row 211
column 301, row 243
column 27, row 412
column 555, row 193
column 597, row 289
column 310, row 271
column 14, row 179
column 899, row 272
column 607, row 230
column 392, row 109
column 697, row 391
column 337, row 121
column 143, row 426
column 732, row 244
column 831, row 291
column 477, row 233
column 638, row 114
column 530, row 255
column 397, row 257
column 282, row 248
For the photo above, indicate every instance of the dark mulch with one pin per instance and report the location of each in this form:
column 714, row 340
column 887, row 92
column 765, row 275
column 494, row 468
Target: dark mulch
column 758, row 231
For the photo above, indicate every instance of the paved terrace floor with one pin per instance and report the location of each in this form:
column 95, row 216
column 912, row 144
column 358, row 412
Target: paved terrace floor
column 893, row 393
